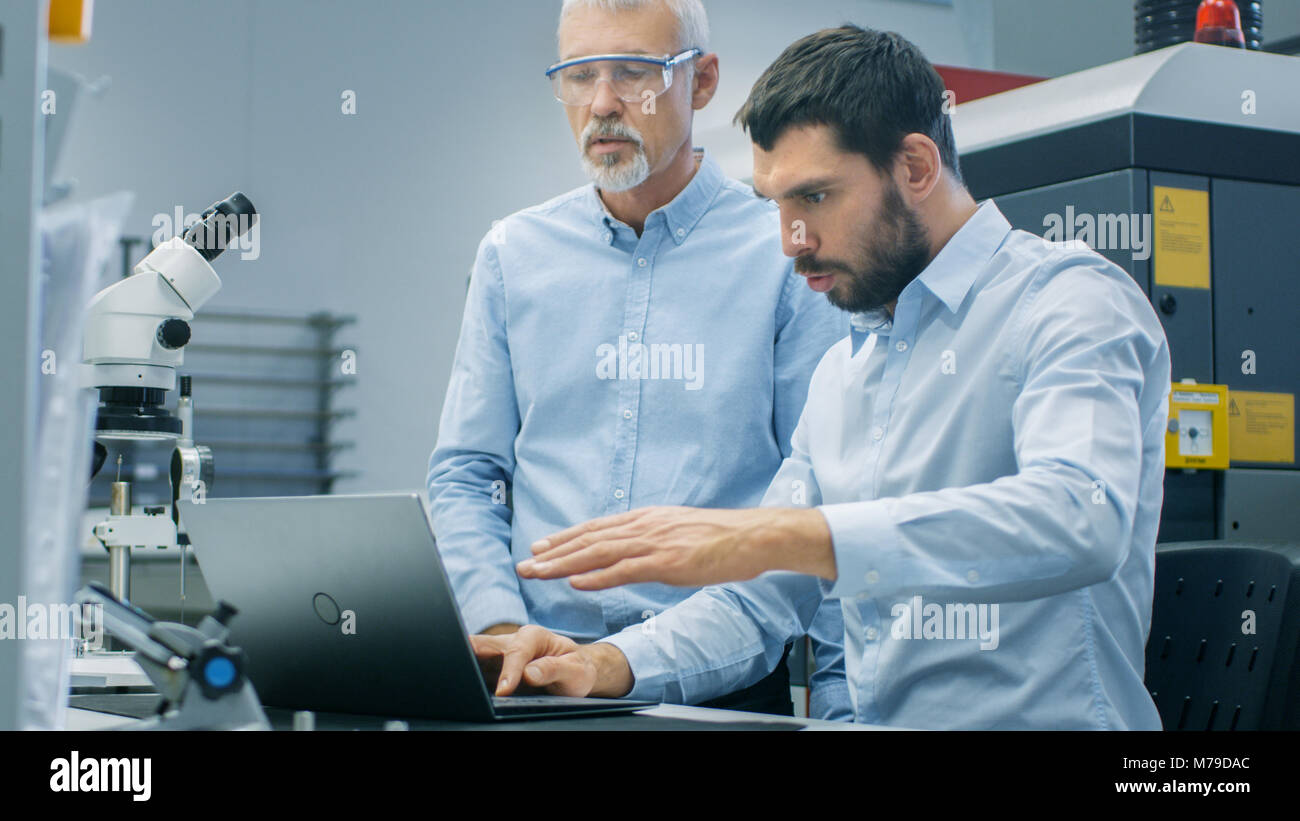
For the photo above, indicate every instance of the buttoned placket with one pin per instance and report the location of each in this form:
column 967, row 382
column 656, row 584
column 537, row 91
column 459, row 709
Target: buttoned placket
column 894, row 339
column 618, row 496
column 664, row 229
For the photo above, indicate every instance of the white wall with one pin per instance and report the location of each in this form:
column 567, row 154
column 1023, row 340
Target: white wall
column 749, row 35
column 379, row 214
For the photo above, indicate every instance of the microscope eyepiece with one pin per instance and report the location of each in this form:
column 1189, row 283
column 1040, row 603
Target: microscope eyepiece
column 220, row 224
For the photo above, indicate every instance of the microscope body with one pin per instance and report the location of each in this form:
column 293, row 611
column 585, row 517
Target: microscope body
column 136, row 329
column 136, row 332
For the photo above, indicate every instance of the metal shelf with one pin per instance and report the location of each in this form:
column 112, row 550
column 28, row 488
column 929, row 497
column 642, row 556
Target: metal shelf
column 268, row 381
column 272, row 413
column 261, row 444
column 332, row 321
column 266, row 350
column 283, row 475
column 232, row 374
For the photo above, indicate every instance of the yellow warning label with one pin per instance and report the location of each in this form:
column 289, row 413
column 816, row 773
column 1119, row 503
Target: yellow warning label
column 1182, row 229
column 1261, row 426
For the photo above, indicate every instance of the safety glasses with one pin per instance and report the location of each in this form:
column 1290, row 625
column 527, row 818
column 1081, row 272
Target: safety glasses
column 635, row 78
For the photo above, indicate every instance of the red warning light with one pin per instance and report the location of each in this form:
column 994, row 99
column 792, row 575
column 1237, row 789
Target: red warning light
column 1218, row 22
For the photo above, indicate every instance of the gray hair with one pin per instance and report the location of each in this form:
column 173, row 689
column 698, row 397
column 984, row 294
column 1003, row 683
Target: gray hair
column 692, row 22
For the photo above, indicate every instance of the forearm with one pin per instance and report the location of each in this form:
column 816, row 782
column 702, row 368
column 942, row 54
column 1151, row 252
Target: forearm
column 794, row 539
column 472, row 524
column 473, row 537
column 1038, row 533
column 828, row 685
column 721, row 639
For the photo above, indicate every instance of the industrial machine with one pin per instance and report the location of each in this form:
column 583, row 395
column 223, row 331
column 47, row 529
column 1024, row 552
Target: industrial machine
column 1182, row 166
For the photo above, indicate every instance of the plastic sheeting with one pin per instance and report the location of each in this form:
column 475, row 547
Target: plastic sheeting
column 77, row 240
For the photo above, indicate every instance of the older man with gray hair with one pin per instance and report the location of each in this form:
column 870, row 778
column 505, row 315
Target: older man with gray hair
column 638, row 341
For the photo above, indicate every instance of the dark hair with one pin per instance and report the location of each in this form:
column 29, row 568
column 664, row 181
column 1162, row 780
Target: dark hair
column 871, row 87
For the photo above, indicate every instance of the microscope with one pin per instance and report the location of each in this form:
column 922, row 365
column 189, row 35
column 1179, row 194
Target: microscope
column 136, row 332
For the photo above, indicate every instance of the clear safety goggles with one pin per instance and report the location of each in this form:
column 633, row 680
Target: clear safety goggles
column 630, row 76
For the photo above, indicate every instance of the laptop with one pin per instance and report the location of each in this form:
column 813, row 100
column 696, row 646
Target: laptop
column 344, row 607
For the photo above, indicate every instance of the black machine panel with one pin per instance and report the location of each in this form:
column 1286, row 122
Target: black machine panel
column 1256, row 229
column 1112, row 167
column 1119, row 192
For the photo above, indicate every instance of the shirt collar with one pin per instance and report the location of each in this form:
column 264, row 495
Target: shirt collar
column 951, row 273
column 680, row 215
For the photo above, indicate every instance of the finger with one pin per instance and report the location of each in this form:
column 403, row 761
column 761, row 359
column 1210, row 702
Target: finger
column 562, row 675
column 572, row 546
column 486, row 647
column 628, row 571
column 627, row 530
column 594, row 557
column 522, row 649
column 590, row 526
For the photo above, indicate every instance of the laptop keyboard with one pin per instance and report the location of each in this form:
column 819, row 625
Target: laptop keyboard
column 505, row 704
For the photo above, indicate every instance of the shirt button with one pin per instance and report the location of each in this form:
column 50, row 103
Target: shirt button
column 641, row 262
column 627, row 414
column 606, row 236
column 618, row 494
column 972, row 576
column 877, row 433
column 632, row 335
column 872, row 633
column 681, row 232
column 901, row 346
column 872, row 577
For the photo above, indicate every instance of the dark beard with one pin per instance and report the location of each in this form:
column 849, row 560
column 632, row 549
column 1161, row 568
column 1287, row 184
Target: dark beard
column 883, row 268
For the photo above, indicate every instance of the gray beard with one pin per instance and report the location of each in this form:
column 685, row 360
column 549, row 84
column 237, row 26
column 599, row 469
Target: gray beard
column 609, row 174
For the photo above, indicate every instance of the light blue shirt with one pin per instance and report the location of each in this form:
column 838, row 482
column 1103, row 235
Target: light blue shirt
column 990, row 464
column 598, row 371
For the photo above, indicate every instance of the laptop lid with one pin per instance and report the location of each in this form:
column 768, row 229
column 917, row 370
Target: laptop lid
column 343, row 604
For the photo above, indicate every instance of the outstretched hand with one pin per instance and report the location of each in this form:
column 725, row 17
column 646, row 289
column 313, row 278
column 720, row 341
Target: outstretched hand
column 688, row 547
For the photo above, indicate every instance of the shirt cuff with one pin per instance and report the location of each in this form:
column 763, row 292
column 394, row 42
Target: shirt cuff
column 650, row 670
column 491, row 608
column 862, row 537
column 830, row 701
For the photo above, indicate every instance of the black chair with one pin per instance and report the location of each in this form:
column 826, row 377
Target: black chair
column 1204, row 671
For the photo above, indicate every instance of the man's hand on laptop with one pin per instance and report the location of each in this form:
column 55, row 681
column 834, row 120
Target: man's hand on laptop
column 684, row 546
column 533, row 658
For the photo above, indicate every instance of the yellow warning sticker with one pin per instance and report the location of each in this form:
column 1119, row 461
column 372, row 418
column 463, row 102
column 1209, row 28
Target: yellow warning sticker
column 1261, row 426
column 1182, row 229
